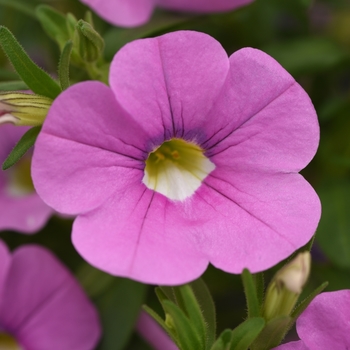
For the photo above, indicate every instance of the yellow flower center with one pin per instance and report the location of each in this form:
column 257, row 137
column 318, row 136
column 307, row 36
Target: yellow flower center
column 7, row 342
column 176, row 169
column 20, row 180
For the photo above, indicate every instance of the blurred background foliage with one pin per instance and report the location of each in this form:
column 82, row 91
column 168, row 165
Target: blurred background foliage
column 311, row 39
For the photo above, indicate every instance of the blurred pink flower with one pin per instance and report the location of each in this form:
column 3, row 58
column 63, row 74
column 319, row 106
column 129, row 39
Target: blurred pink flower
column 153, row 333
column 130, row 13
column 41, row 305
column 325, row 324
column 188, row 158
column 21, row 208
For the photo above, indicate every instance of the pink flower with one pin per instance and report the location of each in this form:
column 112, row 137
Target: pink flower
column 325, row 324
column 21, row 208
column 130, row 13
column 149, row 330
column 188, row 158
column 41, row 305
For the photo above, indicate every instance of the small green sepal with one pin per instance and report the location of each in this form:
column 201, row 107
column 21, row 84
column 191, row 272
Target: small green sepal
column 23, row 145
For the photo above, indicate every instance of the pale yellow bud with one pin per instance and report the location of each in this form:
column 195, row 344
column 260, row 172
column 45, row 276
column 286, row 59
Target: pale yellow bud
column 295, row 274
column 23, row 109
column 286, row 286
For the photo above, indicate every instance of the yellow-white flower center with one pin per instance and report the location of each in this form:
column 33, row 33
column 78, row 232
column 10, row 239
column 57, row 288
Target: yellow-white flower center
column 7, row 342
column 19, row 179
column 176, row 169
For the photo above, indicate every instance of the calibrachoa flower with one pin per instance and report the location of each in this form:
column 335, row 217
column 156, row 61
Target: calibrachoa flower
column 129, row 13
column 21, row 208
column 188, row 158
column 325, row 324
column 41, row 305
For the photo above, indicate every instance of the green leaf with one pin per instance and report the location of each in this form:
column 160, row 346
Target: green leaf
column 194, row 312
column 260, row 287
column 306, row 302
column 36, row 79
column 91, row 43
column 23, row 145
column 169, row 292
column 334, row 228
column 223, row 341
column 63, row 66
column 207, row 306
column 54, row 24
column 187, row 336
column 250, row 294
column 13, row 85
column 119, row 306
column 21, row 6
column 244, row 335
column 272, row 334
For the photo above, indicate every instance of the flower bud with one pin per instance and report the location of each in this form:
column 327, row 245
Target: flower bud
column 23, row 109
column 91, row 43
column 286, row 286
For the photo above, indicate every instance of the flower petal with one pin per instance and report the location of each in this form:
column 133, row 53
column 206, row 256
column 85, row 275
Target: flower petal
column 263, row 119
column 254, row 221
column 44, row 307
column 325, row 323
column 203, row 5
column 5, row 260
column 123, row 13
column 81, row 146
column 26, row 213
column 135, row 235
column 168, row 84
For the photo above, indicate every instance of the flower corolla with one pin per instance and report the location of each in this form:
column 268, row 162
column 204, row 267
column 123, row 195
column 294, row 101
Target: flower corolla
column 325, row 323
column 130, row 13
column 189, row 157
column 42, row 306
column 21, row 208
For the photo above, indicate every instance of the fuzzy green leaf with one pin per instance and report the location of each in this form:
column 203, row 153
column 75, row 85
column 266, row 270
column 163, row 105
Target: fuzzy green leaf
column 244, row 335
column 63, row 66
column 36, row 79
column 194, row 312
column 223, row 341
column 272, row 334
column 207, row 306
column 23, row 145
column 306, row 302
column 187, row 336
column 251, row 294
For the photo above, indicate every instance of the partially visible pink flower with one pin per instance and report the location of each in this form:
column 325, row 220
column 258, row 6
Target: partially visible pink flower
column 325, row 324
column 130, row 13
column 21, row 208
column 153, row 333
column 42, row 306
column 189, row 157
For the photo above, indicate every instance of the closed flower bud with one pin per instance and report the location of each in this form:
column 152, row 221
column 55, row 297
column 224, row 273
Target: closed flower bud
column 286, row 286
column 91, row 43
column 23, row 109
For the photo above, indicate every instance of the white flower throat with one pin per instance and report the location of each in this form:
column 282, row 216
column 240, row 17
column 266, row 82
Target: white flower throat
column 176, row 169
